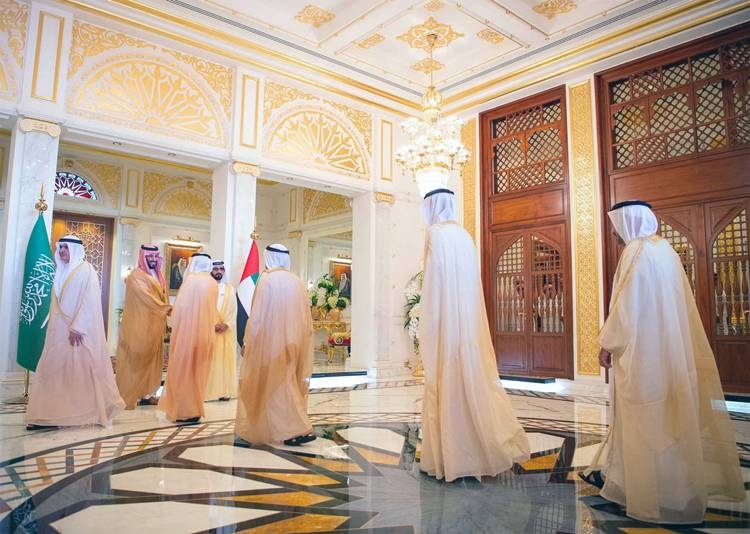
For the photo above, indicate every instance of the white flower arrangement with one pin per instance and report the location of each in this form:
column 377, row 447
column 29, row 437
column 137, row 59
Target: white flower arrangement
column 413, row 296
column 325, row 294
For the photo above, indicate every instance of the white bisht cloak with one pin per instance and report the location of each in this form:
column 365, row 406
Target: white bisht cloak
column 671, row 444
column 75, row 385
column 222, row 379
column 468, row 426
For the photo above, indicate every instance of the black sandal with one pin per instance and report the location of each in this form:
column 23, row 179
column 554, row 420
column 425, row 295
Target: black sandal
column 594, row 478
column 299, row 440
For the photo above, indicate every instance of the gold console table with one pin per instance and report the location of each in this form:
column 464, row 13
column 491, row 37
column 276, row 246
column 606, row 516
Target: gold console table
column 330, row 327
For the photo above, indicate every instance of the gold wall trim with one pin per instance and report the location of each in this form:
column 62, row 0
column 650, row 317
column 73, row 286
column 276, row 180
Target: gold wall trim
column 584, row 214
column 239, row 167
column 597, row 43
column 133, row 181
column 296, row 64
column 35, row 125
column 13, row 22
column 386, row 152
column 256, row 125
column 60, row 33
column 385, row 197
column 294, row 234
column 134, row 157
column 2, row 165
column 469, row 178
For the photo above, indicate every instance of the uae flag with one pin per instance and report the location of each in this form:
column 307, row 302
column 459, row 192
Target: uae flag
column 246, row 289
column 38, row 276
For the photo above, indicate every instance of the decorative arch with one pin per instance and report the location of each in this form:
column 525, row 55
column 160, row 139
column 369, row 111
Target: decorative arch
column 72, row 184
column 313, row 135
column 321, row 204
column 184, row 202
column 149, row 94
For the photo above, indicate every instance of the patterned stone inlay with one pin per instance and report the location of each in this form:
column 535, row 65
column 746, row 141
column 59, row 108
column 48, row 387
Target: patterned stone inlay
column 585, row 242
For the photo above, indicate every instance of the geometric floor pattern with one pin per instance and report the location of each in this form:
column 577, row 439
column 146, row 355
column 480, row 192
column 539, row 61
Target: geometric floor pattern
column 359, row 476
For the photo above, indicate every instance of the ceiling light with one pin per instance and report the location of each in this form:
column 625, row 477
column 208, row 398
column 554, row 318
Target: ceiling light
column 435, row 149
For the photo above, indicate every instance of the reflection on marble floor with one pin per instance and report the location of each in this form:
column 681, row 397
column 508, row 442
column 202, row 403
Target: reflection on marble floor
column 360, row 475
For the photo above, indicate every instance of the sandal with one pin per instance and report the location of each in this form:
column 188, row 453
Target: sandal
column 299, row 440
column 594, row 478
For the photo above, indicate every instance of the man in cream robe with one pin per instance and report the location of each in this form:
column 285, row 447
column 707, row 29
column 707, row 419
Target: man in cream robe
column 191, row 343
column 671, row 444
column 468, row 426
column 278, row 358
column 74, row 383
column 140, row 347
column 223, row 375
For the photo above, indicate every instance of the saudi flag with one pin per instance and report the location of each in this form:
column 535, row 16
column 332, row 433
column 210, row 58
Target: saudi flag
column 38, row 275
column 246, row 289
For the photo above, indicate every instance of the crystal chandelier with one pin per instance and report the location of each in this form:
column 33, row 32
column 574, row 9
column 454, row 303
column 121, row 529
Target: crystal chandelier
column 435, row 149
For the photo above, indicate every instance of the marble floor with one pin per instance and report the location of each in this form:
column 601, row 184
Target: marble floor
column 360, row 475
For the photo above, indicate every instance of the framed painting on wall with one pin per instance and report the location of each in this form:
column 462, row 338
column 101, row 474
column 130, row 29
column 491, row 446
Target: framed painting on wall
column 341, row 272
column 176, row 262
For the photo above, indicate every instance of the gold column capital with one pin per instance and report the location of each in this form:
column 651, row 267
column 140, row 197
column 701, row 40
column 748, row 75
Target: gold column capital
column 132, row 221
column 380, row 196
column 27, row 124
column 240, row 167
column 294, row 234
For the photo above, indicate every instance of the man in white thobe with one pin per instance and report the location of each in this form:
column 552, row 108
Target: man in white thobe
column 74, row 383
column 468, row 426
column 222, row 379
column 671, row 444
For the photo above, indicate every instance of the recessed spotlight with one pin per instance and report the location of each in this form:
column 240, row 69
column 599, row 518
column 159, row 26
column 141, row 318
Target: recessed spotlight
column 117, row 143
column 171, row 154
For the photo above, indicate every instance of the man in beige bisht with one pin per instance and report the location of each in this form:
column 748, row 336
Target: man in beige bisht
column 670, row 444
column 140, row 347
column 468, row 426
column 191, row 343
column 74, row 383
column 278, row 358
column 222, row 378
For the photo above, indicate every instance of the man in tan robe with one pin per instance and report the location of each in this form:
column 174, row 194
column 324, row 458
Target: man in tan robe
column 140, row 347
column 222, row 378
column 74, row 383
column 278, row 358
column 468, row 426
column 671, row 444
column 191, row 343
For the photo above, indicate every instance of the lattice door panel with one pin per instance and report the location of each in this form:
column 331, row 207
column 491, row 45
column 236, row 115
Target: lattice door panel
column 547, row 287
column 510, row 289
column 94, row 237
column 684, row 248
column 730, row 262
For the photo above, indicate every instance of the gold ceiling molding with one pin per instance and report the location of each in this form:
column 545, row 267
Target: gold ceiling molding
column 14, row 18
column 584, row 214
column 28, row 124
column 144, row 93
column 491, row 36
column 90, row 41
column 416, row 37
column 550, row 8
column 277, row 95
column 598, row 43
column 314, row 15
column 433, row 5
column 109, row 176
column 318, row 205
column 312, row 137
column 219, row 77
column 342, row 235
column 292, row 71
column 427, row 65
column 371, row 41
column 469, row 178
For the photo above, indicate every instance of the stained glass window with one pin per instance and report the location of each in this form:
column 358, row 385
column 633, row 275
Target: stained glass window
column 69, row 184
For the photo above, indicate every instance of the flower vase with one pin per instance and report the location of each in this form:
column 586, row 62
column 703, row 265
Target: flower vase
column 334, row 314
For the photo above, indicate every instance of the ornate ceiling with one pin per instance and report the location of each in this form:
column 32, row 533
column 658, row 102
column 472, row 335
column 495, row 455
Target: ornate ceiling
column 380, row 45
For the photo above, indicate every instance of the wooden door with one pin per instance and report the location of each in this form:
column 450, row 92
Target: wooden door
column 96, row 234
column 530, row 304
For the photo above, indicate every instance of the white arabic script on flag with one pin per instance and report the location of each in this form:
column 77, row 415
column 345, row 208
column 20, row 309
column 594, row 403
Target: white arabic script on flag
column 37, row 288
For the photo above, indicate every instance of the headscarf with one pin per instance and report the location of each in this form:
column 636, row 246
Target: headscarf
column 277, row 255
column 200, row 262
column 439, row 205
column 143, row 266
column 63, row 270
column 633, row 219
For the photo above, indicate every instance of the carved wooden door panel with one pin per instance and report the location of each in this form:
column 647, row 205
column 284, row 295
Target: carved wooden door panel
column 96, row 234
column 531, row 301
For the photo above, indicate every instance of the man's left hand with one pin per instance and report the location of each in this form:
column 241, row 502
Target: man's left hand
column 221, row 327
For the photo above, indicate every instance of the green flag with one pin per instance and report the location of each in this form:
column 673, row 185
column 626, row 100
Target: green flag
column 38, row 275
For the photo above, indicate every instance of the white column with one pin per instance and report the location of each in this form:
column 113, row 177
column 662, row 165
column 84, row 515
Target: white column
column 233, row 215
column 32, row 163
